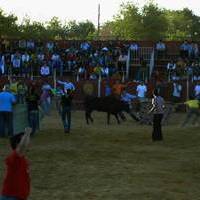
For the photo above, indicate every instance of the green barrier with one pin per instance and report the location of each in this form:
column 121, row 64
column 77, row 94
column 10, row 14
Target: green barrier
column 20, row 118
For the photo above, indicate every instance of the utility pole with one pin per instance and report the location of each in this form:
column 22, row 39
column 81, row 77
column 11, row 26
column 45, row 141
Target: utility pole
column 99, row 16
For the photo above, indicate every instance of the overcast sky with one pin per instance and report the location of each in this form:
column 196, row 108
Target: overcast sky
column 80, row 10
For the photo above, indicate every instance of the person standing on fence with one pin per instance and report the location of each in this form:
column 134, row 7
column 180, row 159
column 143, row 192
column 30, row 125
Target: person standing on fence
column 16, row 183
column 7, row 99
column 66, row 102
column 158, row 111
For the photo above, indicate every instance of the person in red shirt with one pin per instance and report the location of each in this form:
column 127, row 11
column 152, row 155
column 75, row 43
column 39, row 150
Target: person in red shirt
column 16, row 183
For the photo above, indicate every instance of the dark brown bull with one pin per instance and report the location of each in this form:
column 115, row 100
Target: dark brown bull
column 109, row 104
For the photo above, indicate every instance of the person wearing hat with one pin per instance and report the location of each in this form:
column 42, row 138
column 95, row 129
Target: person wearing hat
column 7, row 99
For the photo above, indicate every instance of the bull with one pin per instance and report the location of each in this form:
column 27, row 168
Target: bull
column 109, row 104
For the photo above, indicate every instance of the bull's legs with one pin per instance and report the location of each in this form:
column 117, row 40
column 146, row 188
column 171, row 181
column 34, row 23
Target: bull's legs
column 116, row 116
column 91, row 119
column 87, row 117
column 108, row 118
column 135, row 117
column 122, row 116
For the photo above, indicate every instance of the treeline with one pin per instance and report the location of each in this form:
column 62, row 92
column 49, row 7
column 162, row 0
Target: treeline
column 131, row 23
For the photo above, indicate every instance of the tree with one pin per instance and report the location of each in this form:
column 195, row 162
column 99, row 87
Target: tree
column 153, row 23
column 125, row 25
column 8, row 25
column 55, row 28
column 182, row 24
column 130, row 23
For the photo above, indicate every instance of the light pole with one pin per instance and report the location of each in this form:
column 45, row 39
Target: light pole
column 99, row 17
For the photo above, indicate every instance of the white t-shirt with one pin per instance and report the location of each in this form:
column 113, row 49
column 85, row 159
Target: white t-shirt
column 160, row 46
column 134, row 47
column 55, row 57
column 45, row 71
column 141, row 90
column 25, row 58
column 177, row 90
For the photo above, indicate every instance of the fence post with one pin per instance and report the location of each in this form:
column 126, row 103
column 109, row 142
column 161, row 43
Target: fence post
column 151, row 65
column 128, row 65
column 54, row 78
column 77, row 77
column 99, row 86
column 188, row 88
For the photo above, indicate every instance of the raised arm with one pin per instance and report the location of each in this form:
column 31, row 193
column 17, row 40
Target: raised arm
column 61, row 82
column 153, row 106
column 24, row 141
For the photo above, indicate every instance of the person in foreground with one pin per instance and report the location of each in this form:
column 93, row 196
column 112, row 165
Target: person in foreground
column 158, row 111
column 16, row 183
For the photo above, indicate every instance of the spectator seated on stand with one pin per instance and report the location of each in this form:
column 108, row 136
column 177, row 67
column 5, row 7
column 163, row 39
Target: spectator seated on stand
column 160, row 49
column 185, row 49
column 171, row 67
column 45, row 70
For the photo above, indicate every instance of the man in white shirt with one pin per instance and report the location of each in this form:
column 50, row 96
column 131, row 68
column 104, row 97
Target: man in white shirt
column 40, row 57
column 134, row 47
column 171, row 66
column 2, row 64
column 45, row 70
column 50, row 46
column 25, row 57
column 160, row 49
column 16, row 63
column 122, row 62
column 176, row 95
column 25, row 63
column 85, row 46
column 30, row 44
column 141, row 91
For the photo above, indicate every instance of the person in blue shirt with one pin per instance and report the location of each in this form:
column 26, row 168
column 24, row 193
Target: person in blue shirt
column 67, row 85
column 7, row 99
column 127, row 98
column 108, row 89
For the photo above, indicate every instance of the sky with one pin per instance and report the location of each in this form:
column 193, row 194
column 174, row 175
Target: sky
column 81, row 10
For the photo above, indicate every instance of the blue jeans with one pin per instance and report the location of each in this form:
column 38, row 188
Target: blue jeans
column 6, row 123
column 8, row 198
column 46, row 107
column 33, row 117
column 66, row 112
column 21, row 98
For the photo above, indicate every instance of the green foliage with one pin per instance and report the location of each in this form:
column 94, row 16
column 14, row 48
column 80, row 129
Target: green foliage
column 8, row 26
column 152, row 23
column 182, row 24
column 81, row 30
column 131, row 23
column 33, row 30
